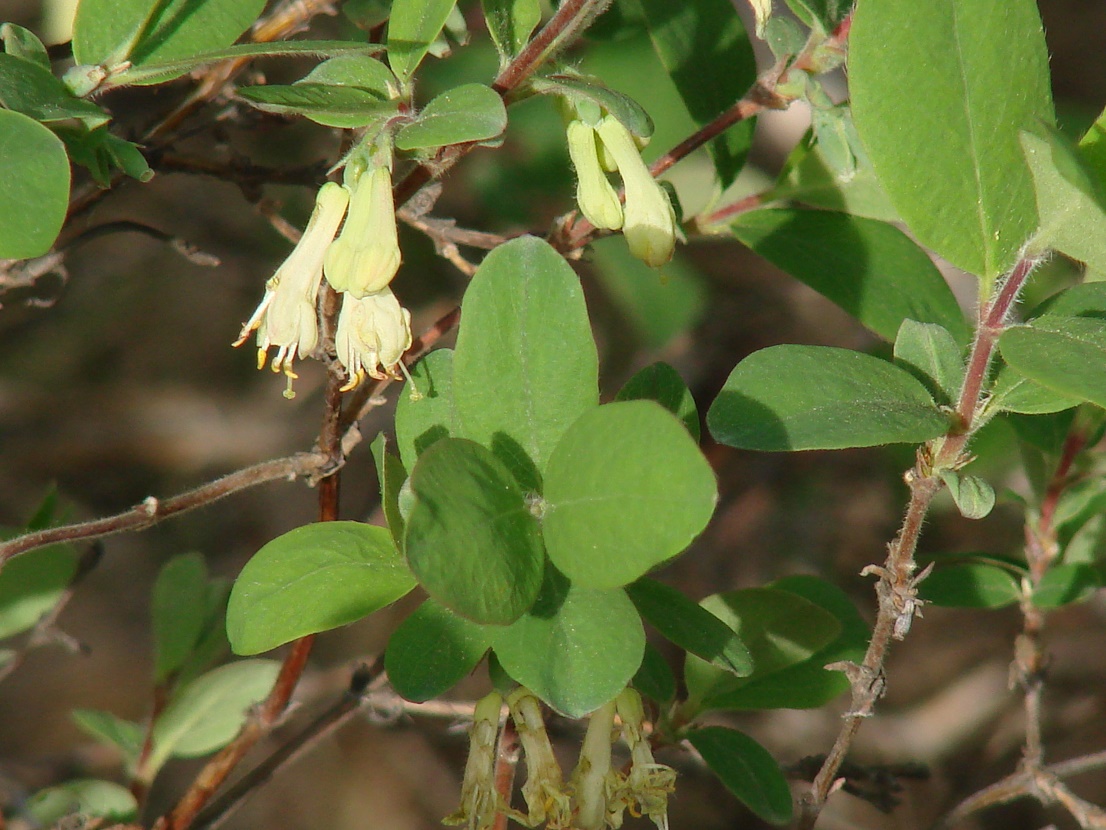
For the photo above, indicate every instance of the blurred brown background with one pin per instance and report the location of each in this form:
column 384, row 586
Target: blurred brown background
column 120, row 383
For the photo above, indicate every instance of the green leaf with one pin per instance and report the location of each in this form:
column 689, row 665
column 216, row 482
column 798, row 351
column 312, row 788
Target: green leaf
column 930, row 353
column 579, row 89
column 525, row 366
column 1065, row 584
column 412, row 27
column 28, row 88
column 974, row 497
column 86, row 797
column 471, row 537
column 422, row 420
column 663, row 384
column 870, row 269
column 826, row 14
column 314, row 578
column 207, row 713
column 148, row 31
column 510, row 23
column 30, row 585
column 821, row 398
column 690, row 626
column 807, row 684
column 391, row 474
column 1070, row 204
column 654, row 678
column 576, row 649
column 971, row 585
column 110, row 729
column 1085, row 300
column 323, row 103
column 939, row 92
column 471, row 112
column 432, row 651
column 809, row 177
column 659, row 306
column 1065, row 354
column 356, row 72
column 23, row 43
column 1013, row 392
column 779, row 628
column 746, row 769
column 626, row 489
column 704, row 48
column 179, row 610
column 34, row 189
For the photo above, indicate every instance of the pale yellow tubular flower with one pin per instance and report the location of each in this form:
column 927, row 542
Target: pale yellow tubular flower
column 479, row 799
column 365, row 256
column 648, row 785
column 649, row 222
column 373, row 333
column 597, row 199
column 589, row 779
column 544, row 792
column 286, row 317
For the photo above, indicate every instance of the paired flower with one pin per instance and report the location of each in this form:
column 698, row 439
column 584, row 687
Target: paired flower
column 647, row 220
column 373, row 329
column 480, row 803
column 286, row 317
column 544, row 791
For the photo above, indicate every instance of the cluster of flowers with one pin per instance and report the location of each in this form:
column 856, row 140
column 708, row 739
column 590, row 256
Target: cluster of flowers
column 647, row 220
column 594, row 797
column 374, row 330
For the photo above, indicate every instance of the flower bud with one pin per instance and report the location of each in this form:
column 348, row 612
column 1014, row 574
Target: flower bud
column 366, row 255
column 597, row 199
column 649, row 223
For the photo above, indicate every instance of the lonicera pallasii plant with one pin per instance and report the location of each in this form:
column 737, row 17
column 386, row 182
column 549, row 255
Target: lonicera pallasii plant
column 525, row 504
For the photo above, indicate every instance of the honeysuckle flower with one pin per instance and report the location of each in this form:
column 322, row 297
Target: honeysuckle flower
column 649, row 222
column 365, row 256
column 373, row 333
column 286, row 317
column 646, row 788
column 597, row 199
column 544, row 792
column 479, row 799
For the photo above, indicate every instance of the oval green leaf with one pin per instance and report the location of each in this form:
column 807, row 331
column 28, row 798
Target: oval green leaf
column 655, row 678
column 1065, row 354
column 31, row 584
column 746, row 769
column 86, row 798
column 34, row 91
column 939, row 92
column 625, row 490
column 510, row 23
column 34, row 190
column 821, row 398
column 314, row 578
column 472, row 112
column 412, row 27
column 576, row 649
column 1065, row 584
column 147, row 31
column 207, row 713
column 870, row 269
column 930, row 353
column 525, row 366
column 179, row 610
column 971, row 585
column 690, row 626
column 471, row 538
column 358, row 72
column 433, row 650
column 323, row 103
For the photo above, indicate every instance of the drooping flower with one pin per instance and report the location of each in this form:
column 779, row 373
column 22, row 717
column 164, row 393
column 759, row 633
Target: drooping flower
column 593, row 780
column 546, row 799
column 597, row 199
column 646, row 788
column 365, row 256
column 649, row 222
column 286, row 317
column 373, row 333
column 479, row 799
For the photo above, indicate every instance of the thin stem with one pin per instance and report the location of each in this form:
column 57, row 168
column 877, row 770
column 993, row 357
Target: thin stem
column 897, row 587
